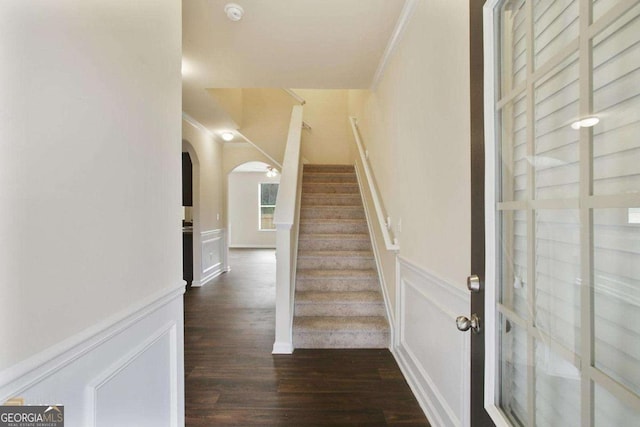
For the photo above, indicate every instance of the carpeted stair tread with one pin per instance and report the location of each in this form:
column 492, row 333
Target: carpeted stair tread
column 337, row 274
column 341, row 323
column 329, row 177
column 331, row 303
column 309, row 168
column 332, row 199
column 335, row 236
column 330, row 187
column 336, row 254
column 332, row 212
column 309, row 297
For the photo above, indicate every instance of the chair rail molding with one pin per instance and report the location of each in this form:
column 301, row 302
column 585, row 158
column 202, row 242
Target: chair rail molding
column 101, row 365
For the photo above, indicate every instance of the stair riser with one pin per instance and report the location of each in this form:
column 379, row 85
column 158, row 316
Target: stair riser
column 330, row 188
column 329, row 168
column 334, row 244
column 325, row 177
column 335, row 200
column 336, row 263
column 311, row 227
column 332, row 213
column 338, row 309
column 337, row 285
column 335, row 339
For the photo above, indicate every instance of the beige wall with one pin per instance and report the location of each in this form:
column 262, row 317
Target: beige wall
column 329, row 140
column 244, row 210
column 231, row 101
column 89, row 164
column 265, row 120
column 209, row 164
column 415, row 126
column 266, row 116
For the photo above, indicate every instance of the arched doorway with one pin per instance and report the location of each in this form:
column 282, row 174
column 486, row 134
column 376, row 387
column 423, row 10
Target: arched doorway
column 251, row 191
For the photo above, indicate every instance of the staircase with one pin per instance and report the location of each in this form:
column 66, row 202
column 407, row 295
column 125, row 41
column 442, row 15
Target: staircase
column 338, row 302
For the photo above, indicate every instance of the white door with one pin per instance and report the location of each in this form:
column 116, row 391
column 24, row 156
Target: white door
column 562, row 83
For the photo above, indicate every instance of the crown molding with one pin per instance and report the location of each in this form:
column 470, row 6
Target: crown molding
column 403, row 20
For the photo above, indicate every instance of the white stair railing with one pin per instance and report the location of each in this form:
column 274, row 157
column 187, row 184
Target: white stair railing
column 391, row 243
column 286, row 219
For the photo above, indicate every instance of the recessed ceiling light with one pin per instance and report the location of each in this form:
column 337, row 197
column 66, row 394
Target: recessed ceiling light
column 585, row 123
column 227, row 136
column 234, row 11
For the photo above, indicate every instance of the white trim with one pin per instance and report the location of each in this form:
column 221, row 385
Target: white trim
column 196, row 124
column 252, row 245
column 286, row 219
column 392, row 44
column 446, row 299
column 94, row 386
column 20, row 377
column 390, row 243
column 277, row 163
column 244, row 144
column 376, row 255
column 282, row 348
column 491, row 351
column 207, row 274
column 295, row 96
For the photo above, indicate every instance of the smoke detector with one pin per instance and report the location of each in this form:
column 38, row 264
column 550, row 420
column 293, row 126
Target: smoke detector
column 234, row 11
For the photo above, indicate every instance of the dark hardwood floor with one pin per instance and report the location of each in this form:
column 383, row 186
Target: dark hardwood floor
column 231, row 377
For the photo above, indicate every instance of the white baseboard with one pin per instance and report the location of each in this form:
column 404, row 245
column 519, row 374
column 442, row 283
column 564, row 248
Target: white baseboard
column 209, row 278
column 93, row 373
column 282, row 348
column 432, row 354
column 250, row 246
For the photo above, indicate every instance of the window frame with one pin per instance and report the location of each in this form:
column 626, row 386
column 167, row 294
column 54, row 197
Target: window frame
column 260, row 205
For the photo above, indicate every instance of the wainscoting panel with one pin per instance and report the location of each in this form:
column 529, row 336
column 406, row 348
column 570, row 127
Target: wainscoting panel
column 125, row 371
column 214, row 254
column 432, row 353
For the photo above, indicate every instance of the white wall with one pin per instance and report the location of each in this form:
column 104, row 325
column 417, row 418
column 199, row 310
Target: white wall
column 415, row 125
column 244, row 211
column 90, row 94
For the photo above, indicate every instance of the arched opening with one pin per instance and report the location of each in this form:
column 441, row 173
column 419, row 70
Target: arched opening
column 192, row 248
column 251, row 192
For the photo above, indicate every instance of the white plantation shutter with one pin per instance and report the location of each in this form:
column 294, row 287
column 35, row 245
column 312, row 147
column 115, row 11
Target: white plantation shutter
column 569, row 264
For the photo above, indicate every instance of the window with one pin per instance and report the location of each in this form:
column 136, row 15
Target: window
column 568, row 178
column 268, row 195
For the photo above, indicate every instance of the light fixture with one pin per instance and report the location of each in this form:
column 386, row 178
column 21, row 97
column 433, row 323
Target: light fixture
column 234, row 11
column 227, row 136
column 585, row 123
column 271, row 172
column 186, row 68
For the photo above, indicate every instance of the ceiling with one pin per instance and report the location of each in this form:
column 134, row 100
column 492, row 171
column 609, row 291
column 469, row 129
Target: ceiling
column 310, row 44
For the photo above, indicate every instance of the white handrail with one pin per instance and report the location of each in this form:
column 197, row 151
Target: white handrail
column 286, row 221
column 390, row 243
column 295, row 96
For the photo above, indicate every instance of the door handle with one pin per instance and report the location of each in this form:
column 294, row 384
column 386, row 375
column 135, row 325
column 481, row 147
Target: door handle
column 463, row 323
